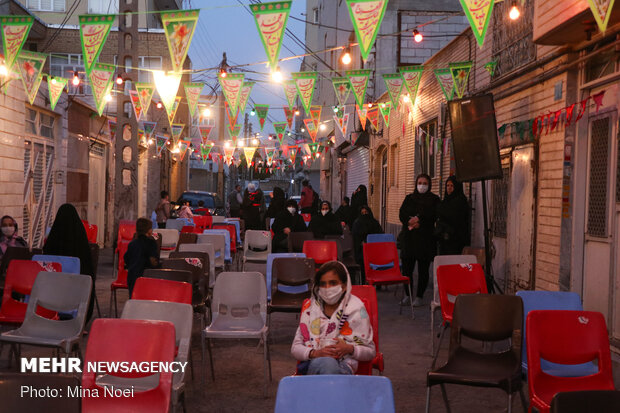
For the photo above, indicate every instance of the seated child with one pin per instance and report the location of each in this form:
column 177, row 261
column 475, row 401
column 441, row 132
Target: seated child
column 141, row 252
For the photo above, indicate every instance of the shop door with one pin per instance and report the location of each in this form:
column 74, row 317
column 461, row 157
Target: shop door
column 96, row 188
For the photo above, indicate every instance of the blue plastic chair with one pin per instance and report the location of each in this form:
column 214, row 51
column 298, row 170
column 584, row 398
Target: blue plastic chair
column 225, row 233
column 154, row 220
column 187, row 221
column 69, row 265
column 380, row 238
column 285, row 288
column 338, row 393
column 237, row 225
column 173, row 223
column 553, row 300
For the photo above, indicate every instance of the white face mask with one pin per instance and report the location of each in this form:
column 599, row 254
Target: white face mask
column 292, row 210
column 331, row 295
column 422, row 188
column 324, row 212
column 8, row 231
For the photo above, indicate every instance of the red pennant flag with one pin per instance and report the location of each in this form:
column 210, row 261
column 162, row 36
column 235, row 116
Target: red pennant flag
column 569, row 114
column 556, row 118
column 582, row 109
column 598, row 99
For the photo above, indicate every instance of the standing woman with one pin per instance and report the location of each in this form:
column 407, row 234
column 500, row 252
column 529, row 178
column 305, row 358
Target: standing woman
column 358, row 200
column 417, row 214
column 68, row 237
column 276, row 206
column 452, row 226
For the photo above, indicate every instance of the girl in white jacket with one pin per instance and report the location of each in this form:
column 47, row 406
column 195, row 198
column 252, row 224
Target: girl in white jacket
column 334, row 330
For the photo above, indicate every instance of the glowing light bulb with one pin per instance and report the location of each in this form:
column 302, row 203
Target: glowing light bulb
column 303, row 129
column 252, row 112
column 417, row 36
column 223, row 72
column 406, row 98
column 383, row 106
column 76, row 79
column 254, row 141
column 514, row 12
column 335, row 109
column 53, row 81
column 119, row 80
column 276, row 76
column 370, row 105
column 322, row 127
column 296, row 112
column 108, row 97
column 151, row 141
column 206, row 113
column 240, row 143
column 159, row 105
column 226, row 144
column 4, row 71
column 346, row 56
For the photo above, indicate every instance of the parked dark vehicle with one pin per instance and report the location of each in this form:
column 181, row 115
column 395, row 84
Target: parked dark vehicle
column 211, row 200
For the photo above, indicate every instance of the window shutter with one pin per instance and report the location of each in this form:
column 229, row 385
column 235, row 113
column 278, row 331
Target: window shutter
column 59, row 5
column 46, row 5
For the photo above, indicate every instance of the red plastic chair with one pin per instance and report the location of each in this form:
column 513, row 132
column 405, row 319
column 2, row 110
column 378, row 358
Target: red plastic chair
column 368, row 295
column 188, row 229
column 321, row 251
column 233, row 234
column 566, row 337
column 453, row 280
column 119, row 340
column 91, row 231
column 202, row 223
column 126, row 231
column 382, row 266
column 162, row 290
column 20, row 278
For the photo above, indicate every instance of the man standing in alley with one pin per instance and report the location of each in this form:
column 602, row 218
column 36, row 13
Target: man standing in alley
column 163, row 209
column 234, row 202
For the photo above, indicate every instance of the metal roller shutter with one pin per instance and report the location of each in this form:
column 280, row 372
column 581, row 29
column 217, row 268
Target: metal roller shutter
column 358, row 167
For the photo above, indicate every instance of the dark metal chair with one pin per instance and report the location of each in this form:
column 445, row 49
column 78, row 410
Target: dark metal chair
column 293, row 272
column 186, row 238
column 591, row 401
column 168, row 274
column 296, row 240
column 486, row 318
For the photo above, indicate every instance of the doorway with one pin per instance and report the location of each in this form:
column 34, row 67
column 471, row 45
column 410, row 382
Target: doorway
column 384, row 186
column 96, row 188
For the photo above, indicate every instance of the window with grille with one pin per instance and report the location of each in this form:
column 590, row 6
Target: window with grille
column 65, row 65
column 151, row 63
column 597, row 186
column 315, row 15
column 427, row 134
column 500, row 202
column 39, row 190
column 47, row 5
column 39, row 123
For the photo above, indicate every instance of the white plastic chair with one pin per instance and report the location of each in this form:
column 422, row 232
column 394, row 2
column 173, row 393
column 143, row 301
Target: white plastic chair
column 226, row 234
column 435, row 304
column 172, row 223
column 219, row 246
column 239, row 310
column 257, row 246
column 169, row 240
column 216, row 219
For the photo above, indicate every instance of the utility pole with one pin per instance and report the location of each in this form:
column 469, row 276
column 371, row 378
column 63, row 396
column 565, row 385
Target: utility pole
column 126, row 145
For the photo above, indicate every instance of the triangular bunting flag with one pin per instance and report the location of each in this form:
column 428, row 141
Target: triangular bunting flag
column 490, row 67
column 290, row 90
column 183, row 147
column 366, row 16
column 192, row 94
column 205, row 130
column 161, row 143
column 342, row 119
column 246, row 89
column 101, row 84
column 141, row 137
column 112, row 128
column 289, row 117
column 261, row 112
column 385, row 108
column 179, row 27
column 311, row 128
column 314, row 147
column 232, row 120
column 55, row 86
column 362, row 113
column 135, row 102
column 249, row 154
column 205, row 149
column 601, row 9
column 176, row 129
column 94, row 30
column 15, row 31
column 292, row 153
column 173, row 111
column 167, row 86
column 315, row 115
column 228, row 154
column 394, row 85
column 234, row 133
column 280, row 128
column 460, row 74
column 145, row 94
column 445, row 80
column 359, row 81
column 149, row 128
column 373, row 117
column 342, row 87
column 478, row 13
column 305, row 81
column 411, row 78
column 271, row 21
column 269, row 152
column 231, row 85
column 30, row 67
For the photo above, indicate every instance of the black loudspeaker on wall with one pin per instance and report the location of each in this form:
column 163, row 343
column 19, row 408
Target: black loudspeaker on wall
column 474, row 138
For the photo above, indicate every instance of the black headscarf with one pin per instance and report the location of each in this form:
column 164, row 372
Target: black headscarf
column 68, row 237
column 277, row 203
column 458, row 188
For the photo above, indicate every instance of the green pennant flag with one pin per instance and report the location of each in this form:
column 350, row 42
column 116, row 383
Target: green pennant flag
column 314, row 147
column 460, row 74
column 601, row 9
column 232, row 120
column 478, row 13
column 304, row 82
column 94, row 30
column 290, row 90
column 167, row 86
column 280, row 128
column 179, row 27
column 15, row 31
column 135, row 102
column 192, row 94
column 176, row 129
column 288, row 113
column 231, row 85
column 386, row 108
column 292, row 153
column 145, row 94
column 411, row 78
column 270, row 152
column 394, row 85
column 366, row 16
column 359, row 82
column 160, row 141
column 246, row 89
column 315, row 115
column 183, row 147
column 205, row 130
column 173, row 109
column 490, row 67
column 55, row 85
column 149, row 128
column 205, row 149
column 271, row 21
column 445, row 80
column 30, row 67
column 311, row 128
column 261, row 112
column 101, row 84
column 342, row 87
column 234, row 133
